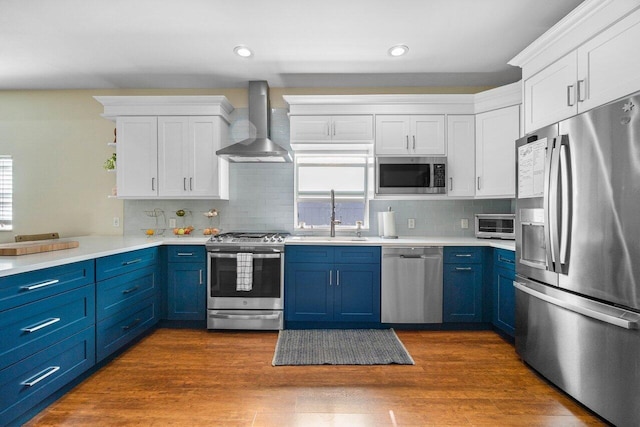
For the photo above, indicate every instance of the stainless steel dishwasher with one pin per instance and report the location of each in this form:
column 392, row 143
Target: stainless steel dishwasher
column 412, row 285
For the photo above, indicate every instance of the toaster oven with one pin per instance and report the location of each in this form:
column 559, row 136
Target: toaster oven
column 495, row 226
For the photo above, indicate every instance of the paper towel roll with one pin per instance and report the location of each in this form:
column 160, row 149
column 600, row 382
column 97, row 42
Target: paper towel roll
column 389, row 224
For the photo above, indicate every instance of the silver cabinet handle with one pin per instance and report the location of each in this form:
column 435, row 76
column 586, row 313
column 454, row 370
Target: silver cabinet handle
column 463, row 268
column 246, row 316
column 478, row 183
column 200, row 279
column 581, row 91
column 185, row 253
column 153, row 184
column 330, row 277
column 407, row 142
column 450, row 184
column 328, row 129
column 40, row 376
column 184, row 183
column 40, row 285
column 507, row 260
column 338, row 278
column 585, row 311
column 570, row 92
column 131, row 325
column 44, row 324
column 128, row 291
column 464, row 255
column 414, row 142
column 133, row 261
column 333, row 125
column 191, row 184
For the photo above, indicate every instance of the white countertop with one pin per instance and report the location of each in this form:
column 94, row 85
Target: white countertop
column 98, row 246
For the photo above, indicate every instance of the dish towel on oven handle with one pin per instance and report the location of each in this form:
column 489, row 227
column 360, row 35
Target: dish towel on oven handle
column 244, row 272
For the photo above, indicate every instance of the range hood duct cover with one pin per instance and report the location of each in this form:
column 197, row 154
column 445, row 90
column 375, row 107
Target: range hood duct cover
column 260, row 148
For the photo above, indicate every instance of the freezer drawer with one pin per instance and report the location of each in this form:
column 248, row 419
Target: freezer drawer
column 412, row 285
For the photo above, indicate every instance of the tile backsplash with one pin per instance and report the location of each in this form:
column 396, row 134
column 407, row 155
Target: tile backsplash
column 261, row 199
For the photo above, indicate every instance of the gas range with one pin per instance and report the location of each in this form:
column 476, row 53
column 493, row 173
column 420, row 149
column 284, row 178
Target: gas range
column 246, row 241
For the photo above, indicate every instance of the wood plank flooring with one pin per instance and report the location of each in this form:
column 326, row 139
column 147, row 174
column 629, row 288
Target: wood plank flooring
column 190, row 378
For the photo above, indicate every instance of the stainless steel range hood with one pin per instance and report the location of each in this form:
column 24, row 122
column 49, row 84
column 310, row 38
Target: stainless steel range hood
column 260, row 148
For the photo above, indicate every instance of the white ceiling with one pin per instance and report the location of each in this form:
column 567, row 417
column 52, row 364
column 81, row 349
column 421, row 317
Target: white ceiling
column 75, row 44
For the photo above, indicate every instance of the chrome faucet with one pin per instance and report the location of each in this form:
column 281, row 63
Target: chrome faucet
column 333, row 221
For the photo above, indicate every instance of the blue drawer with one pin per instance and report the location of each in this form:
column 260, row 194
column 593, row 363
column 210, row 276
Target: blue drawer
column 504, row 258
column 118, row 330
column 462, row 255
column 357, row 255
column 32, row 327
column 116, row 265
column 186, row 253
column 25, row 384
column 118, row 293
column 24, row 288
column 311, row 253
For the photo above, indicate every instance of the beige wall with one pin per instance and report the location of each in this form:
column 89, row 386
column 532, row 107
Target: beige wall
column 58, row 143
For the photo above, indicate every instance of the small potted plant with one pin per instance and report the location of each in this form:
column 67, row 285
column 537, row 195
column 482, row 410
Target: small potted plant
column 110, row 163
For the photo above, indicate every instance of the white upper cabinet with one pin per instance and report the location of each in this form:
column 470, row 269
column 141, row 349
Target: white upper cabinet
column 171, row 152
column 496, row 135
column 137, row 156
column 187, row 162
column 601, row 66
column 410, row 135
column 461, row 155
column 347, row 128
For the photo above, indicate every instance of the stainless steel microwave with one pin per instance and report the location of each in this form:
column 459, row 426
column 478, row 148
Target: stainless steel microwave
column 495, row 226
column 411, row 175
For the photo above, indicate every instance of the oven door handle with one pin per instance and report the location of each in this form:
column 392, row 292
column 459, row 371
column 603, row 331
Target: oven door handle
column 246, row 316
column 255, row 256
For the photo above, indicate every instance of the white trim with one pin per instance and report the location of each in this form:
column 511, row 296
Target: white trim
column 500, row 97
column 115, row 106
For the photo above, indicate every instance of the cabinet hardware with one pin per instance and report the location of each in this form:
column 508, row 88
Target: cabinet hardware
column 407, row 142
column 334, row 129
column 337, row 277
column 503, row 259
column 44, row 324
column 463, row 255
column 133, row 261
column 581, row 92
column 200, row 279
column 40, row 376
column 131, row 325
column 185, row 253
column 463, row 268
column 40, row 285
column 570, row 92
column 128, row 291
column 330, row 277
column 450, row 184
column 153, row 184
column 328, row 130
column 414, row 142
column 478, row 183
column 191, row 184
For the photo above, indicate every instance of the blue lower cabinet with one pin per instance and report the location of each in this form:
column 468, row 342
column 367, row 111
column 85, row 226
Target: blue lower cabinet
column 321, row 291
column 462, row 284
column 504, row 308
column 25, row 384
column 186, row 291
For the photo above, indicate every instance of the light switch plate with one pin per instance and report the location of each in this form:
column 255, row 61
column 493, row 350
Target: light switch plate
column 172, row 223
column 411, row 223
column 464, row 223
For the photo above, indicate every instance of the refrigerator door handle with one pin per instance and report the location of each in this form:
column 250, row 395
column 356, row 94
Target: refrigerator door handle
column 554, row 212
column 550, row 188
column 585, row 311
column 565, row 203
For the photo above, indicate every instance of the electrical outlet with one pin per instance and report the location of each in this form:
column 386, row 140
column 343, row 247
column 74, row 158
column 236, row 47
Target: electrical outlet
column 464, row 223
column 116, row 221
column 172, row 223
column 411, row 223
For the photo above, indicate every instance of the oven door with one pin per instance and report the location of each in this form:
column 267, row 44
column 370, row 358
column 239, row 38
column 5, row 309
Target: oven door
column 267, row 287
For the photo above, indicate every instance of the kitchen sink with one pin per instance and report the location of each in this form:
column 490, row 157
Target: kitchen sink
column 327, row 239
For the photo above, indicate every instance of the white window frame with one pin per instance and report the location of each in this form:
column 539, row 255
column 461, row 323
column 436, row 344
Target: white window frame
column 6, row 193
column 341, row 196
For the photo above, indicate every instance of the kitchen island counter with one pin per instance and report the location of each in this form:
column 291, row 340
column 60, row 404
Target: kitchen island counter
column 406, row 241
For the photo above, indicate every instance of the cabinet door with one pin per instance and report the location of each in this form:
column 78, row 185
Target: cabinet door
column 427, row 136
column 504, row 300
column 352, row 128
column 462, row 296
column 392, row 134
column 310, row 128
column 137, row 156
column 309, row 292
column 186, row 291
column 496, row 134
column 550, row 95
column 356, row 291
column 608, row 64
column 173, row 156
column 461, row 155
column 204, row 165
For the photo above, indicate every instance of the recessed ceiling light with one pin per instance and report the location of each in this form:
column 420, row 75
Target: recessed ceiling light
column 242, row 51
column 398, row 50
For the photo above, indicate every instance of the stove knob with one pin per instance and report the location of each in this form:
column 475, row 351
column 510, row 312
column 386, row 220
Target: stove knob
column 280, row 239
column 265, row 239
column 273, row 239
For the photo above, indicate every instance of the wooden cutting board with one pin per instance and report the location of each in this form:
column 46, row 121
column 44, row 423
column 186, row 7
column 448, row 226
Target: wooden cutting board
column 26, row 248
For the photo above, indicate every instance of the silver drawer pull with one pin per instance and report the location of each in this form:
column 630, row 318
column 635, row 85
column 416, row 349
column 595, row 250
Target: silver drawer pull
column 40, row 376
column 185, row 253
column 128, row 291
column 463, row 268
column 131, row 325
column 133, row 261
column 246, row 316
column 464, row 255
column 254, row 256
column 44, row 324
column 503, row 259
column 40, row 285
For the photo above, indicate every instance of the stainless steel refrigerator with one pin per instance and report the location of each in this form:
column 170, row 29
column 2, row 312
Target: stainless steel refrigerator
column 578, row 257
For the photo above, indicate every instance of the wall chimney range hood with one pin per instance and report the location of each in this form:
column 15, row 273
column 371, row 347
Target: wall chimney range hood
column 261, row 148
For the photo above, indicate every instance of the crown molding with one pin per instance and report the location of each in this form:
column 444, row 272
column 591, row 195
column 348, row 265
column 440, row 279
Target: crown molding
column 115, row 106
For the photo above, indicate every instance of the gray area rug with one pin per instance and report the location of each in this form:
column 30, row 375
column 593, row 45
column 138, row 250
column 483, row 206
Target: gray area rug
column 340, row 347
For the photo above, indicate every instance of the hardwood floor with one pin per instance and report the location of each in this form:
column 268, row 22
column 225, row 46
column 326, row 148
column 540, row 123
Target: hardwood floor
column 189, row 377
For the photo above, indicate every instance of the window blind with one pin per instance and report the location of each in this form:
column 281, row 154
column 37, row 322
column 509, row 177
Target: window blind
column 6, row 193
